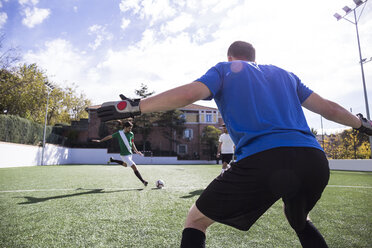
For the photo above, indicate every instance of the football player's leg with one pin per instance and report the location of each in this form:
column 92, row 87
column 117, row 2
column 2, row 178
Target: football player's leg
column 299, row 220
column 193, row 235
column 117, row 161
column 138, row 174
column 127, row 160
column 314, row 174
column 224, row 165
column 226, row 160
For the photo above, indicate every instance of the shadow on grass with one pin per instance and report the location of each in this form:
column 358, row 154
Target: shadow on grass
column 32, row 200
column 193, row 193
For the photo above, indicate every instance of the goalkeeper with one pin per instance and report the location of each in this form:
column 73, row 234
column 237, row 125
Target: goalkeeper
column 277, row 155
column 126, row 143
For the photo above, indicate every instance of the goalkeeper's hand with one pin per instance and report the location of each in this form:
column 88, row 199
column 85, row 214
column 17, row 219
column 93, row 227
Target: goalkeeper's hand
column 366, row 126
column 119, row 110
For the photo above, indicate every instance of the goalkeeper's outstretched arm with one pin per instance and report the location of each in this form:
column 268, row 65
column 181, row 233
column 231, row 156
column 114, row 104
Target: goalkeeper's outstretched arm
column 168, row 100
column 334, row 112
column 175, row 98
column 331, row 111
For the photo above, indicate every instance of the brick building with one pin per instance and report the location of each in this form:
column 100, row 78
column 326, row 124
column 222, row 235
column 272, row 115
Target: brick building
column 186, row 146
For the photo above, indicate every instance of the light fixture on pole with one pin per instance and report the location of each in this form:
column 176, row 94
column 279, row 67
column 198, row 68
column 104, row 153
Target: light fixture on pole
column 50, row 88
column 366, row 60
column 362, row 61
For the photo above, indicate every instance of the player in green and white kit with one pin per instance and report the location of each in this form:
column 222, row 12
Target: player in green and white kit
column 127, row 147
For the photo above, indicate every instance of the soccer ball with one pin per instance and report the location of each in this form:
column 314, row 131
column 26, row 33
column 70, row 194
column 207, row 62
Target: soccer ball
column 159, row 184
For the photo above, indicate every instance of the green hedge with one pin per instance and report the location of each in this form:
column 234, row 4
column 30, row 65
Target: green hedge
column 22, row 131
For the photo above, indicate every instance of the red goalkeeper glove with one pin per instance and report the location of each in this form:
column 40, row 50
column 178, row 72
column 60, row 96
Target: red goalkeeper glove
column 119, row 110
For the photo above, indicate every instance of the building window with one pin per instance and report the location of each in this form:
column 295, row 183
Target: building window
column 182, row 149
column 208, row 118
column 188, row 134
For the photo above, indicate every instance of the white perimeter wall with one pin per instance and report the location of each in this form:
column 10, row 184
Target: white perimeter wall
column 14, row 155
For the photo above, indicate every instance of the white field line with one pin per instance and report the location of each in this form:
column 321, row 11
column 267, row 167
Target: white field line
column 78, row 189
column 124, row 189
column 346, row 186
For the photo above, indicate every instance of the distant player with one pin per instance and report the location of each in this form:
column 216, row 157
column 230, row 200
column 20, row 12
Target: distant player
column 127, row 147
column 226, row 149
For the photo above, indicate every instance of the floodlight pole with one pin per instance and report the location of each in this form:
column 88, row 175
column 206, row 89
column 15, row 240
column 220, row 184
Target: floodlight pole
column 361, row 61
column 361, row 67
column 50, row 88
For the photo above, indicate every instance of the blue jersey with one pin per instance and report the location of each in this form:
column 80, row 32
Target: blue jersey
column 260, row 105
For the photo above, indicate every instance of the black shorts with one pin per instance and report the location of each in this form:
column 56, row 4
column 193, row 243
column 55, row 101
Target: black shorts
column 243, row 193
column 226, row 157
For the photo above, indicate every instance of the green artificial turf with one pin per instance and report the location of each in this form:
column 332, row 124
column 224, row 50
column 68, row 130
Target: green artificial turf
column 107, row 206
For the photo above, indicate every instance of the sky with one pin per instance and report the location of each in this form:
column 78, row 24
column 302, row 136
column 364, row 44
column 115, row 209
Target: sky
column 109, row 47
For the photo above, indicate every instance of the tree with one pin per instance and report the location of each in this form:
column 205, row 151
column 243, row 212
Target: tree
column 144, row 123
column 68, row 105
column 143, row 92
column 365, row 150
column 24, row 91
column 8, row 81
column 314, row 131
column 210, row 138
column 332, row 146
column 8, row 56
column 351, row 141
column 25, row 94
column 348, row 144
column 171, row 121
column 173, row 126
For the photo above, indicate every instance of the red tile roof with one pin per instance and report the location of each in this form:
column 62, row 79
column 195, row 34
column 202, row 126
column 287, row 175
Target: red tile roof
column 197, row 107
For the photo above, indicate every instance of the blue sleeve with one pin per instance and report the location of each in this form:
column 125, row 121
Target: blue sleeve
column 303, row 92
column 212, row 79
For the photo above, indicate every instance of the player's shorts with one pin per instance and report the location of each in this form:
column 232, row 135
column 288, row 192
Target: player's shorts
column 128, row 160
column 244, row 192
column 227, row 157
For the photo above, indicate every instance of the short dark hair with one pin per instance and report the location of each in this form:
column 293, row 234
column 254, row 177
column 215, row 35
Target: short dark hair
column 127, row 124
column 242, row 50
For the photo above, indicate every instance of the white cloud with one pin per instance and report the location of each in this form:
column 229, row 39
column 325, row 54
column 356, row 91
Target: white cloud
column 130, row 5
column 64, row 65
column 160, row 65
column 157, row 10
column 193, row 4
column 124, row 23
column 152, row 10
column 3, row 18
column 75, row 8
column 28, row 2
column 34, row 16
column 200, row 35
column 183, row 39
column 101, row 35
column 223, row 5
column 178, row 24
column 148, row 37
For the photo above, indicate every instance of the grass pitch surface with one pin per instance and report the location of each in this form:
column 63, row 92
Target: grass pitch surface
column 107, row 206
